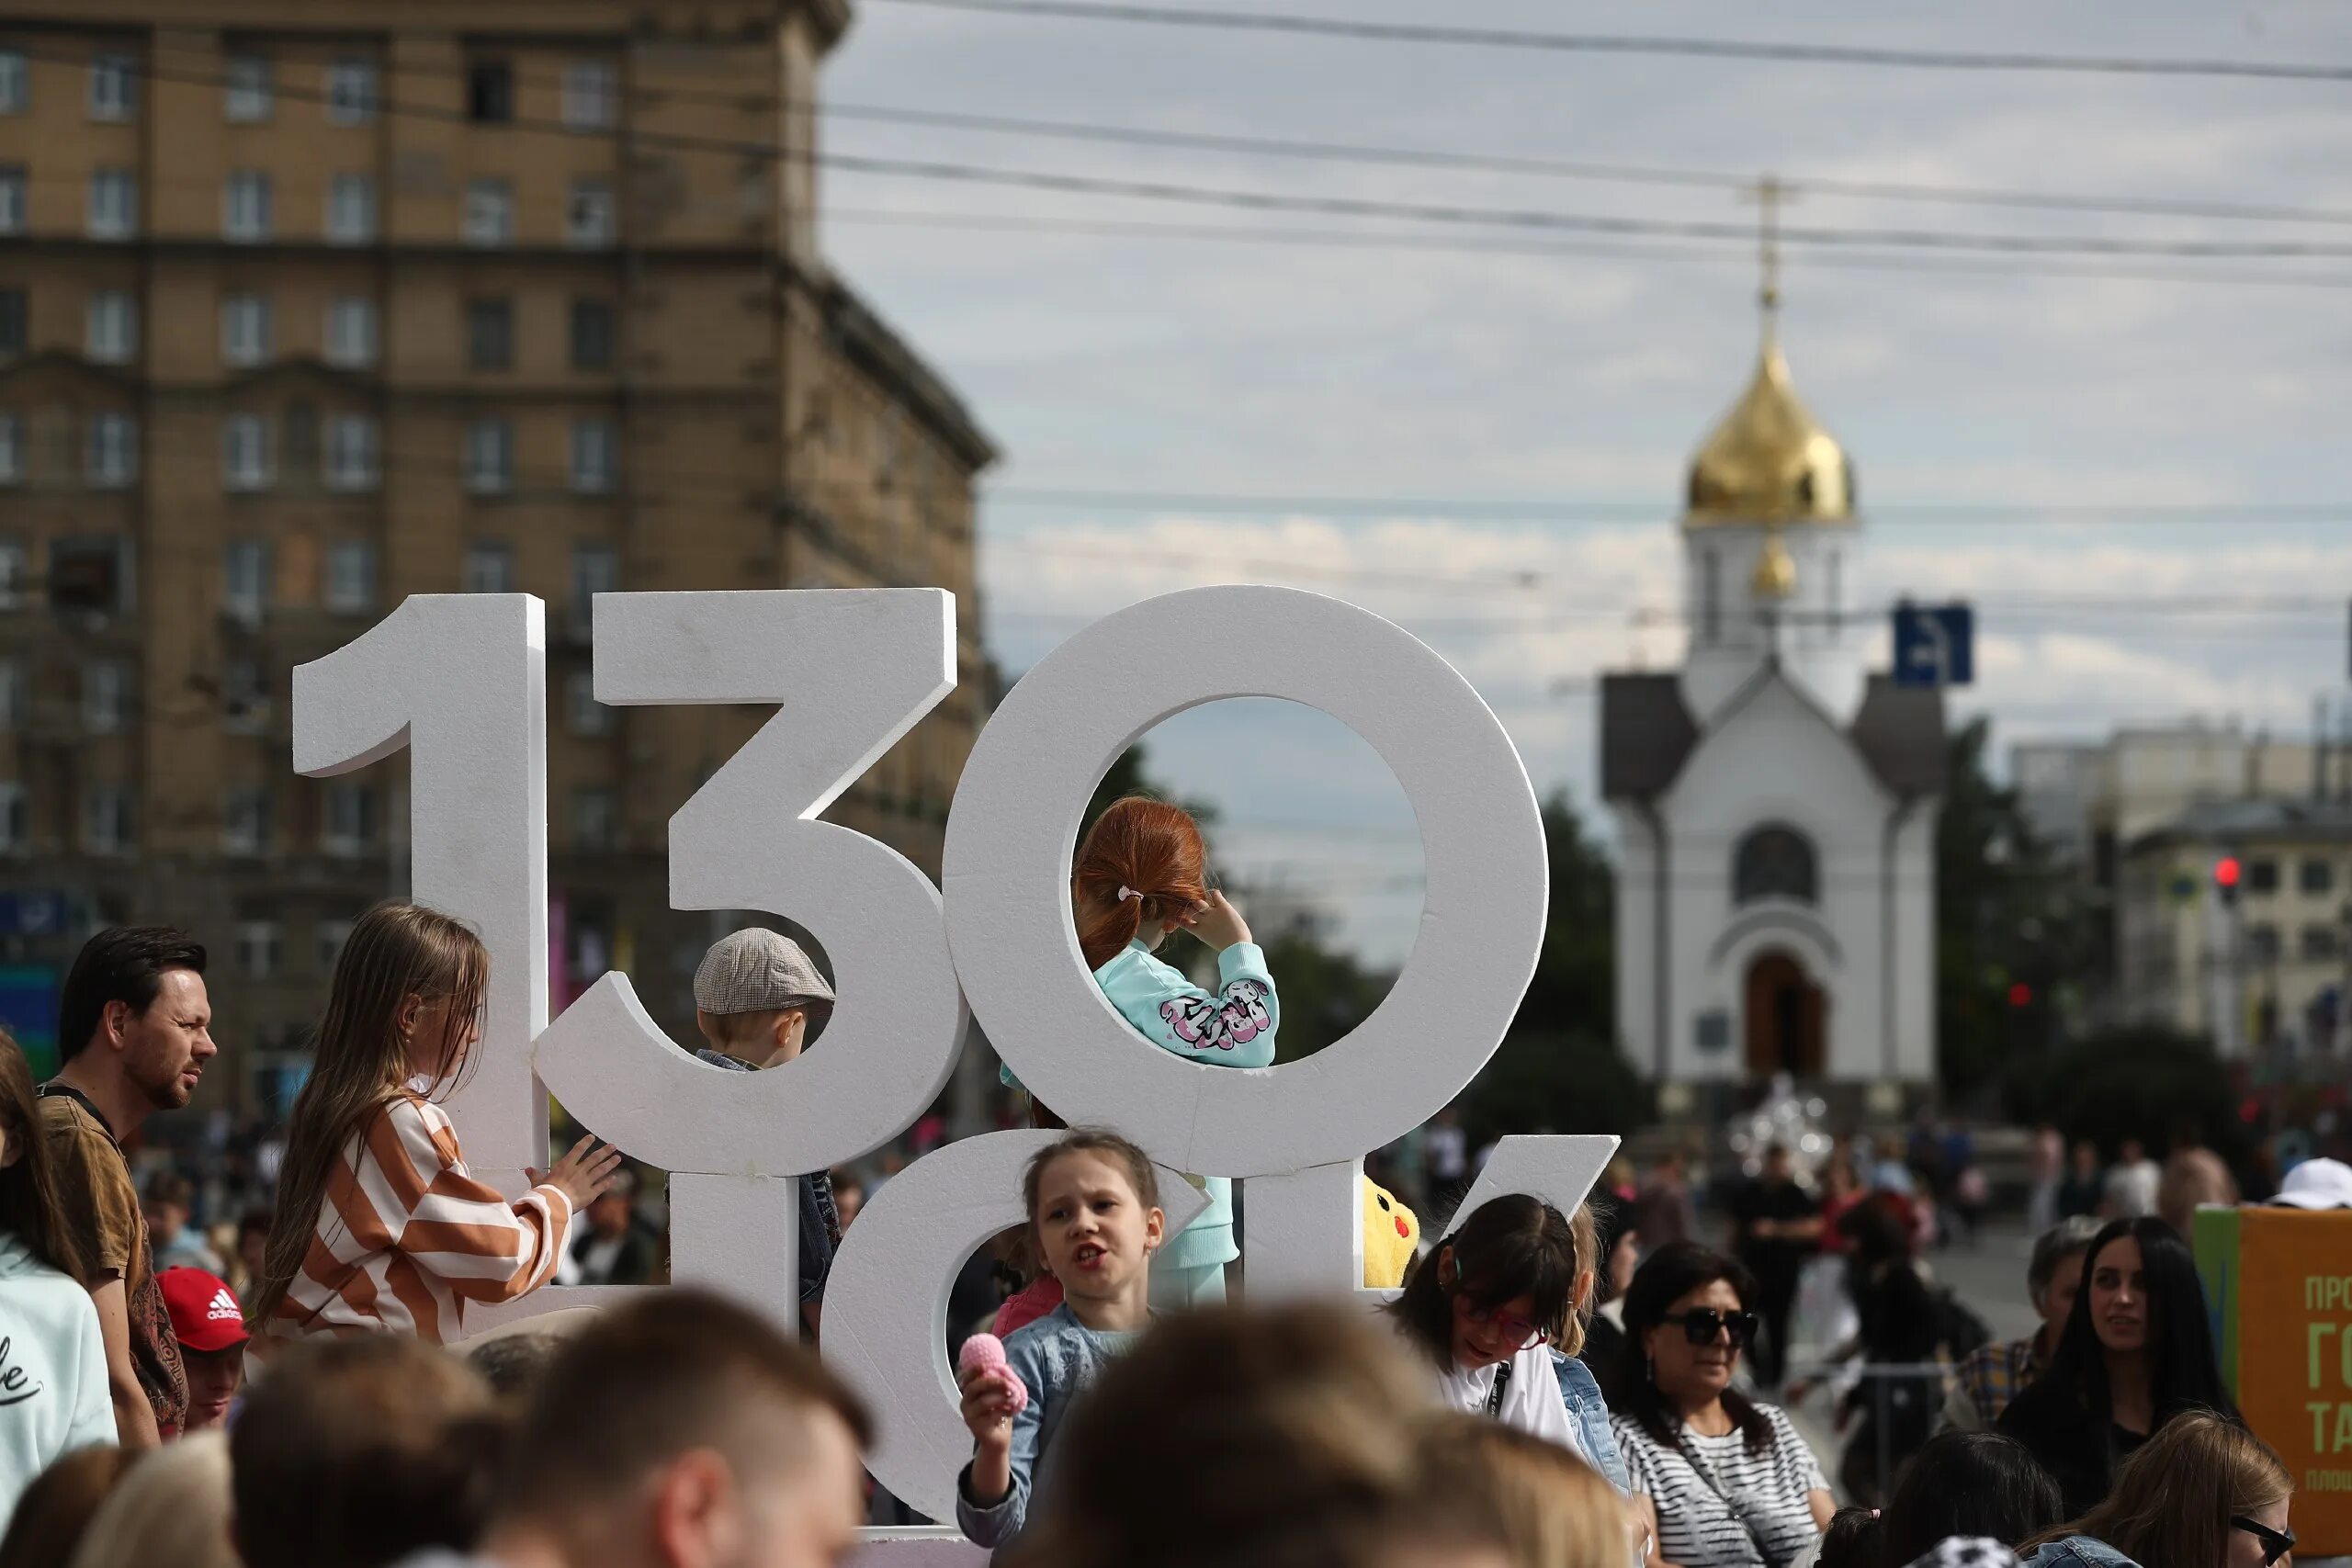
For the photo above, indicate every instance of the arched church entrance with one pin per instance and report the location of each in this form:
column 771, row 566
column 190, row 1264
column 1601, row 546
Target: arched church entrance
column 1787, row 1019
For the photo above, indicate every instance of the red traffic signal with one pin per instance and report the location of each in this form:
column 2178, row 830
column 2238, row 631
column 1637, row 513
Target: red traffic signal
column 2225, row 872
column 2021, row 994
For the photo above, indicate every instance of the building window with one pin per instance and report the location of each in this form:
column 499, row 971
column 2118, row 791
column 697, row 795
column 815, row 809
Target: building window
column 90, row 575
column 12, row 817
column 490, row 335
column 332, row 935
column 245, row 452
column 248, row 89
column 12, row 694
column 588, row 216
column 350, row 819
column 114, row 204
column 490, row 569
column 595, row 819
column 595, row 568
column 114, row 86
column 588, row 716
column 592, row 95
column 16, row 573
column 351, row 92
column 301, row 439
column 2316, row 875
column 351, row 576
column 244, row 697
column 244, row 330
column 351, row 332
column 246, row 592
column 351, row 210
column 12, row 199
column 489, row 456
column 2262, row 876
column 1775, row 861
column 2262, row 944
column 15, row 81
column 351, row 453
column 244, row 821
column 12, row 321
column 592, row 334
column 490, row 212
column 490, row 92
column 594, row 456
column 112, row 328
column 106, row 820
column 257, row 944
column 112, row 460
column 105, row 696
column 244, row 209
column 2320, row 945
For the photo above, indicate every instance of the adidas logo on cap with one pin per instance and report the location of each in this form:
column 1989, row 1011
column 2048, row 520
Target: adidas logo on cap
column 224, row 1308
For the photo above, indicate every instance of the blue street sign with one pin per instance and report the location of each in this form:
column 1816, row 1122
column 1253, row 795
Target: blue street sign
column 32, row 914
column 1935, row 645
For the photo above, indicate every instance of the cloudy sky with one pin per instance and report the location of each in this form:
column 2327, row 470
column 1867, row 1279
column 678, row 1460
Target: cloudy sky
column 1524, row 401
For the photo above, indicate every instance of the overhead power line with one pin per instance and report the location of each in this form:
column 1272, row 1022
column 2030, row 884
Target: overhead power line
column 1627, row 250
column 761, row 102
column 1565, row 508
column 1640, row 44
column 1451, row 214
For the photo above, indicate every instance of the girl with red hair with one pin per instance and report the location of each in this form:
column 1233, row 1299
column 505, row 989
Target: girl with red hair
column 1141, row 874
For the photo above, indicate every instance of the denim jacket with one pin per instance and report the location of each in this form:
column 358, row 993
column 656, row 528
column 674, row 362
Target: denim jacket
column 2078, row 1552
column 1588, row 1413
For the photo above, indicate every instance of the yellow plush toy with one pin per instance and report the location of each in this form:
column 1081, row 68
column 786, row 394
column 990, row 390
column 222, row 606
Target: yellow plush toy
column 1391, row 1235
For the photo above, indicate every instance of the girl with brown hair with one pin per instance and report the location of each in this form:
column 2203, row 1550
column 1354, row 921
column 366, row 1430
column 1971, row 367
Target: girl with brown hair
column 379, row 1226
column 2202, row 1493
column 1141, row 874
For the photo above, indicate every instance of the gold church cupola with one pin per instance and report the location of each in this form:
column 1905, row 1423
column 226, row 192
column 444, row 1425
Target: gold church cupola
column 1769, row 461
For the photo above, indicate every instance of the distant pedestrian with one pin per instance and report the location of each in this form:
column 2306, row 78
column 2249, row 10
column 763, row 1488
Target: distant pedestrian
column 168, row 1205
column 2133, row 1184
column 1776, row 1226
column 1662, row 1209
column 2046, row 1167
column 1993, row 1375
column 2317, row 1184
column 613, row 1248
column 1901, row 1332
column 2084, row 1190
column 1447, row 1152
column 2193, row 1179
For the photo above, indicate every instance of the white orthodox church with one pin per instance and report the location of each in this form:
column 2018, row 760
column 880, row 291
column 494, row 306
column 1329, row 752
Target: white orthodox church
column 1775, row 803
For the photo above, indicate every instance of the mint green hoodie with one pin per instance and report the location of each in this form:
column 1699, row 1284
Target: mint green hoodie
column 53, row 1394
column 1231, row 1027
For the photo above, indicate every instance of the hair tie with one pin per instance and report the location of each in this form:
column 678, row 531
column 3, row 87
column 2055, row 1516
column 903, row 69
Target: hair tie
column 1127, row 893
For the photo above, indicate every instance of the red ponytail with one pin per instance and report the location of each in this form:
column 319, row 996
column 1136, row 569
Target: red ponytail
column 1153, row 851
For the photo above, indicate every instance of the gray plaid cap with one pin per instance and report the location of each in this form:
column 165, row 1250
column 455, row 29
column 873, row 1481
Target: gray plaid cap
column 758, row 971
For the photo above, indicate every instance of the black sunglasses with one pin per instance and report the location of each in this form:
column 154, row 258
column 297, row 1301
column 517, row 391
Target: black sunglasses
column 1700, row 1324
column 2275, row 1543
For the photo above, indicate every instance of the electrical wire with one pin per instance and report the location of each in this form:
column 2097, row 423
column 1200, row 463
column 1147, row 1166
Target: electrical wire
column 1638, row 44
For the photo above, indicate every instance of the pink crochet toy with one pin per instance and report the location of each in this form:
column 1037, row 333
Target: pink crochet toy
column 985, row 1353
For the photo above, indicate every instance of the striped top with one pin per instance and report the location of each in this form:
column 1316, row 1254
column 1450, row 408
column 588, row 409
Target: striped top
column 407, row 1236
column 1744, row 1510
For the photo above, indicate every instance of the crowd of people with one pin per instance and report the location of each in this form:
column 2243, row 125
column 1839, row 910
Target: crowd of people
column 1585, row 1389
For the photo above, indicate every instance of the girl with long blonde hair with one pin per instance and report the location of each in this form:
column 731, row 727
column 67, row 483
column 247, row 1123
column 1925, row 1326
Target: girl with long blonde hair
column 379, row 1226
column 2202, row 1493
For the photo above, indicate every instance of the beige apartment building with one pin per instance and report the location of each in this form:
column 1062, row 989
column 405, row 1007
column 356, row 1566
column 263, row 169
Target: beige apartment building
column 307, row 307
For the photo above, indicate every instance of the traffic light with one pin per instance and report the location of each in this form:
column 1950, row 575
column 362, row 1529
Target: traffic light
column 2021, row 994
column 2226, row 872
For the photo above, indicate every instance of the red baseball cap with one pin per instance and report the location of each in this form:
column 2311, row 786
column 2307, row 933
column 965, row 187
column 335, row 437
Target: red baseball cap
column 204, row 1314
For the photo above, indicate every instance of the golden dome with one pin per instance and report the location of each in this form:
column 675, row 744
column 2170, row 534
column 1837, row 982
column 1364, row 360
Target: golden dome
column 1776, row 570
column 1769, row 461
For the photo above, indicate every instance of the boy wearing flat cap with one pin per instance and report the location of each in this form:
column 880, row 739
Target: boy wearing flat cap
column 755, row 996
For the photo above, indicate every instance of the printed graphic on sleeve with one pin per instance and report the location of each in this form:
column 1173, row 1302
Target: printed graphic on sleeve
column 1235, row 1017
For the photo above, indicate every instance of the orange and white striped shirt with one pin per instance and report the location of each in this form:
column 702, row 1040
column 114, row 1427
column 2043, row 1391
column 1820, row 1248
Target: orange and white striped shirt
column 407, row 1236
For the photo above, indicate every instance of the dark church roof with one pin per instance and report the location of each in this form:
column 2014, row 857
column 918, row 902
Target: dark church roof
column 1647, row 733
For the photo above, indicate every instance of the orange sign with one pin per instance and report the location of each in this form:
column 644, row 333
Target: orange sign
column 2294, row 1356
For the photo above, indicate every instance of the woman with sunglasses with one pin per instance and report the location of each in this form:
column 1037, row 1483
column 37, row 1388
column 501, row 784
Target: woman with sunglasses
column 2202, row 1493
column 1727, row 1481
column 1488, row 1304
column 2136, row 1354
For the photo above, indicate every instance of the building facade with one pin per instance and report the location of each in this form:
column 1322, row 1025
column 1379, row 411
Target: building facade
column 1775, row 801
column 307, row 308
column 2231, row 920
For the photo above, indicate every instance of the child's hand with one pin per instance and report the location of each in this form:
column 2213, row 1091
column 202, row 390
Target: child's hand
column 1216, row 922
column 582, row 1174
column 987, row 1408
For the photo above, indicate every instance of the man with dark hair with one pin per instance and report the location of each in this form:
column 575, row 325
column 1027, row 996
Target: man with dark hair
column 135, row 1027
column 170, row 1205
column 682, row 1431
